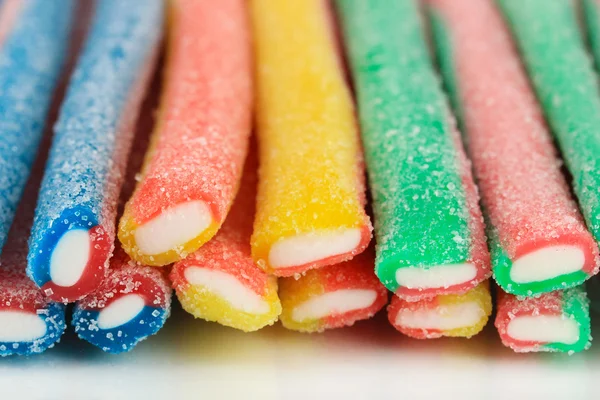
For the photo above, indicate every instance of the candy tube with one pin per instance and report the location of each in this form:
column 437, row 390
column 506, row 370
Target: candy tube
column 130, row 305
column 310, row 207
column 134, row 301
column 555, row 321
column 29, row 322
column 453, row 315
column 553, row 51
column 429, row 228
column 539, row 241
column 332, row 297
column 74, row 228
column 33, row 44
column 195, row 163
column 220, row 282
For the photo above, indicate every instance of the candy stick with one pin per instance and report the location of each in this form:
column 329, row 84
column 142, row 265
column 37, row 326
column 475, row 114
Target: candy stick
column 134, row 301
column 220, row 282
column 310, row 209
column 429, row 228
column 74, row 228
column 453, row 315
column 332, row 297
column 29, row 322
column 539, row 240
column 555, row 321
column 553, row 51
column 33, row 41
column 193, row 168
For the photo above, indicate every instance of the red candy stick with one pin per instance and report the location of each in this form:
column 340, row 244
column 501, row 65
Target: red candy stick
column 539, row 241
column 195, row 162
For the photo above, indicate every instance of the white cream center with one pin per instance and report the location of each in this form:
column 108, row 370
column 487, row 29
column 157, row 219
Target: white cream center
column 444, row 318
column 121, row 311
column 547, row 263
column 20, row 326
column 338, row 302
column 306, row 248
column 228, row 288
column 436, row 276
column 70, row 257
column 173, row 228
column 544, row 329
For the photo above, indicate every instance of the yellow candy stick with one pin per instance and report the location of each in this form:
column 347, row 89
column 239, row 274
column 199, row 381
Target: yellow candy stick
column 310, row 209
column 453, row 315
column 332, row 297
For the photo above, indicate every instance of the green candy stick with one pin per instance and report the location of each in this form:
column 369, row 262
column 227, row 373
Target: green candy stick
column 428, row 225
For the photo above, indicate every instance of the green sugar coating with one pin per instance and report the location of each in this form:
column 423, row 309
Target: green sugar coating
column 421, row 215
column 554, row 53
column 575, row 305
column 591, row 15
column 501, row 262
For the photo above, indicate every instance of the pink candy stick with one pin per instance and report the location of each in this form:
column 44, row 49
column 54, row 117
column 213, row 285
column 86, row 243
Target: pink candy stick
column 539, row 240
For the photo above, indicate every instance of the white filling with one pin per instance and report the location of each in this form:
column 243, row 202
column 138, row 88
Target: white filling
column 444, row 318
column 544, row 329
column 121, row 311
column 174, row 227
column 436, row 276
column 547, row 263
column 20, row 326
column 229, row 288
column 309, row 247
column 70, row 257
column 338, row 302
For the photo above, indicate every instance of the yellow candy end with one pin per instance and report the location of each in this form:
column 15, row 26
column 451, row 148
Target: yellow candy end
column 480, row 295
column 203, row 303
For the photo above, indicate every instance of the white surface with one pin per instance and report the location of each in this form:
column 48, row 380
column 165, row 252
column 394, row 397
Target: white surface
column 229, row 288
column 121, row 311
column 544, row 329
column 339, row 302
column 70, row 257
column 435, row 276
column 306, row 248
column 174, row 227
column 547, row 263
column 191, row 359
column 20, row 326
column 446, row 317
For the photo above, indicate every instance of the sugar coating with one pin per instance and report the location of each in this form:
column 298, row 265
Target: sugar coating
column 571, row 303
column 17, row 291
column 93, row 137
column 443, row 306
column 200, row 141
column 33, row 50
column 591, row 16
column 548, row 36
column 525, row 196
column 229, row 252
column 356, row 273
column 125, row 277
column 424, row 198
column 311, row 172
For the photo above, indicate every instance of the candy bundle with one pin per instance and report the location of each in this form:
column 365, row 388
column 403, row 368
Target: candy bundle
column 245, row 193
